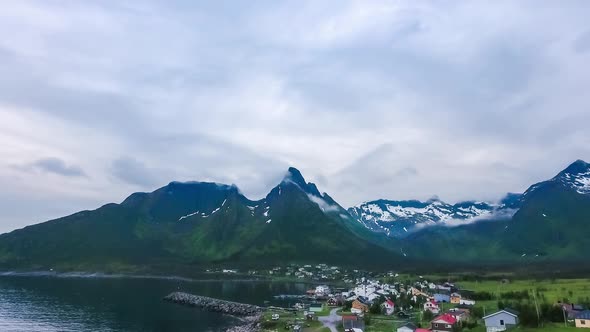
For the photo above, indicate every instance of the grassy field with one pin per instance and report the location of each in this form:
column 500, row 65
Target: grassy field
column 553, row 291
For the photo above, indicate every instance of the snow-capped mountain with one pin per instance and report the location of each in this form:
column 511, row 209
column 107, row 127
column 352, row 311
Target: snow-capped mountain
column 575, row 177
column 398, row 218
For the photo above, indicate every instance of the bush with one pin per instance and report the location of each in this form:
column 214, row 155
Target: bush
column 482, row 296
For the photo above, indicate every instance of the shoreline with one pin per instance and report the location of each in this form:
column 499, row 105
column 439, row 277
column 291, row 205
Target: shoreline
column 103, row 275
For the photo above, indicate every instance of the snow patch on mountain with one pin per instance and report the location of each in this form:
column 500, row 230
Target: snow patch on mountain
column 400, row 218
column 580, row 182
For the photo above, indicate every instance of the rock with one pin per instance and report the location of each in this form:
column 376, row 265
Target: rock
column 251, row 314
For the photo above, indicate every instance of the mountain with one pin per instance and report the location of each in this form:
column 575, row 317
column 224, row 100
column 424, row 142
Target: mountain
column 554, row 218
column 550, row 226
column 400, row 218
column 196, row 223
column 183, row 225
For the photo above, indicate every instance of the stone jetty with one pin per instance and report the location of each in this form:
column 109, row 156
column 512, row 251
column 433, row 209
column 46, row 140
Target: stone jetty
column 215, row 305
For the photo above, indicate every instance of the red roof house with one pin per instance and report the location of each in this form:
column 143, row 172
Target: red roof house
column 443, row 323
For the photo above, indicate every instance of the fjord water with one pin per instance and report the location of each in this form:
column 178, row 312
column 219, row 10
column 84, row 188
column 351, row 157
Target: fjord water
column 122, row 304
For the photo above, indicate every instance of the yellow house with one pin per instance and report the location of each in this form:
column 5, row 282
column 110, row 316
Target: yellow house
column 359, row 307
column 455, row 298
column 583, row 319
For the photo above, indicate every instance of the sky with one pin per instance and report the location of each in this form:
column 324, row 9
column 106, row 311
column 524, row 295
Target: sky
column 466, row 100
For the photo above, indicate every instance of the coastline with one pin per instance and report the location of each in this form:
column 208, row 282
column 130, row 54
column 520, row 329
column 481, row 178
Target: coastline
column 212, row 278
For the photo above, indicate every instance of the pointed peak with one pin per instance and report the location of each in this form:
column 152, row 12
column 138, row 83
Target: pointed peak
column 578, row 166
column 293, row 175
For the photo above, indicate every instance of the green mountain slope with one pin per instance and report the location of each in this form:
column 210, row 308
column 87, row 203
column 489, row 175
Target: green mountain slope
column 196, row 224
column 551, row 226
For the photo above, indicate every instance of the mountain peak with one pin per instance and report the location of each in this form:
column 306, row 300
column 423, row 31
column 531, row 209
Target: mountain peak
column 293, row 175
column 578, row 166
column 576, row 176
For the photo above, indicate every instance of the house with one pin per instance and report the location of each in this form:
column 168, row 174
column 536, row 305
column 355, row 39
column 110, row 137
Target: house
column 417, row 292
column 322, row 290
column 443, row 323
column 388, row 307
column 572, row 310
column 359, row 307
column 444, row 298
column 466, row 302
column 335, row 301
column 352, row 322
column 459, row 315
column 407, row 327
column 583, row 319
column 501, row 320
column 315, row 307
column 455, row 298
column 432, row 307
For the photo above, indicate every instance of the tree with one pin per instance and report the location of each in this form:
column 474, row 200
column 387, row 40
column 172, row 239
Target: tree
column 427, row 316
column 375, row 308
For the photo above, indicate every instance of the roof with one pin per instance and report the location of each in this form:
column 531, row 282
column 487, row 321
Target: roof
column 410, row 326
column 446, row 318
column 390, row 302
column 350, row 317
column 506, row 310
column 422, row 330
column 455, row 313
column 583, row 315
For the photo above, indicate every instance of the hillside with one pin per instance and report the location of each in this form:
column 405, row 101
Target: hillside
column 196, row 224
column 551, row 226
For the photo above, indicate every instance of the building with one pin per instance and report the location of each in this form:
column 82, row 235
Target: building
column 459, row 315
column 443, row 323
column 359, row 307
column 322, row 290
column 315, row 307
column 501, row 320
column 352, row 322
column 388, row 307
column 432, row 307
column 442, row 298
column 407, row 327
column 466, row 301
column 455, row 298
column 572, row 310
column 583, row 319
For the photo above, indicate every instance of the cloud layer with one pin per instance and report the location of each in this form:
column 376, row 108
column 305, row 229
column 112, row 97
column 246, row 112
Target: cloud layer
column 393, row 99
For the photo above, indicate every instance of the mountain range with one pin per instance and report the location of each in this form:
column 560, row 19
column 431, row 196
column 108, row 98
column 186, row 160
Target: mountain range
column 183, row 225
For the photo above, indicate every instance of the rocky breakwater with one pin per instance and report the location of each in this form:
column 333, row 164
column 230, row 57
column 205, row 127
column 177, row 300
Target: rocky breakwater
column 250, row 314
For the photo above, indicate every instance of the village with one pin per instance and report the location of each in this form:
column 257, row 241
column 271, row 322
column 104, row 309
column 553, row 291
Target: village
column 389, row 302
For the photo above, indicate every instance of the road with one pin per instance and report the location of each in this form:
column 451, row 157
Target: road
column 330, row 321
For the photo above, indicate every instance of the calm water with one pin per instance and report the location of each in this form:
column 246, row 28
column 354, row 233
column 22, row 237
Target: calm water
column 30, row 304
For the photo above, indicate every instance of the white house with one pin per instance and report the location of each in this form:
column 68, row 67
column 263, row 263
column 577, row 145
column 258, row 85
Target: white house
column 501, row 320
column 322, row 290
column 466, row 302
column 432, row 307
column 408, row 327
column 388, row 306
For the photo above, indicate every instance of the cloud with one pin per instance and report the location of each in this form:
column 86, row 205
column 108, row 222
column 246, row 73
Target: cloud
column 400, row 100
column 55, row 166
column 134, row 172
column 325, row 206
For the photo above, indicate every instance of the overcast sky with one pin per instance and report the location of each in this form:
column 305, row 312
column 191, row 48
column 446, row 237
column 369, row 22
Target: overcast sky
column 369, row 99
